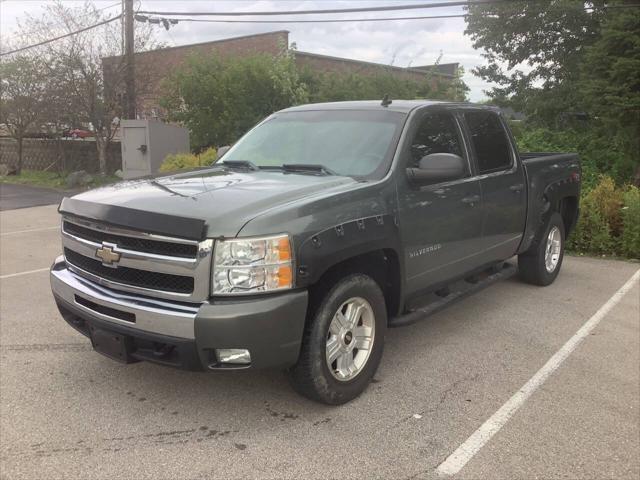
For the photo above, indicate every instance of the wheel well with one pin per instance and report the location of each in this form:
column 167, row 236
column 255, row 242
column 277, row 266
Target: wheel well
column 568, row 209
column 381, row 265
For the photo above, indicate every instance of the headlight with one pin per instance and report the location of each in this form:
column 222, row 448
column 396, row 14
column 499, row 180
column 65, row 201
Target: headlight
column 248, row 265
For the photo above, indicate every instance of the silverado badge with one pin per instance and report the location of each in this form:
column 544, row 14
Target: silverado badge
column 107, row 255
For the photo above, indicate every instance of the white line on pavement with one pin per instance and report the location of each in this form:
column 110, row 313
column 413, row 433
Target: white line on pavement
column 2, row 277
column 465, row 452
column 30, row 230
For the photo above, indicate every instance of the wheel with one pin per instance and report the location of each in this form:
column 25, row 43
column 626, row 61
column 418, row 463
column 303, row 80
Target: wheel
column 343, row 342
column 541, row 264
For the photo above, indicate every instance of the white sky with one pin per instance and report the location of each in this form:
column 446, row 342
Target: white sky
column 418, row 42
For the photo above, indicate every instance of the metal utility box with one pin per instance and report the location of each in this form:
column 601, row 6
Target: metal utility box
column 146, row 143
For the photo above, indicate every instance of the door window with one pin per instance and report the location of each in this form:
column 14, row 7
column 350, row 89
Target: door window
column 437, row 133
column 489, row 140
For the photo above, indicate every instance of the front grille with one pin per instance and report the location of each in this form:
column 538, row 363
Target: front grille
column 111, row 312
column 157, row 247
column 131, row 276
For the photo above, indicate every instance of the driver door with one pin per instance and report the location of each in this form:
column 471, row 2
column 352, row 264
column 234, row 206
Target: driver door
column 441, row 223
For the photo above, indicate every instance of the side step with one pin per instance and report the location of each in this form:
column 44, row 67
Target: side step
column 457, row 291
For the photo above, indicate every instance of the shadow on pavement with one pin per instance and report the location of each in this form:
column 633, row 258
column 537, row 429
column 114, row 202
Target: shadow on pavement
column 23, row 196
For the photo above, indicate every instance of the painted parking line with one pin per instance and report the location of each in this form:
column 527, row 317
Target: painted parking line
column 465, row 452
column 30, row 230
column 28, row 272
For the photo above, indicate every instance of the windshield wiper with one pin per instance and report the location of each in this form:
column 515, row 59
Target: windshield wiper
column 308, row 168
column 244, row 164
column 155, row 183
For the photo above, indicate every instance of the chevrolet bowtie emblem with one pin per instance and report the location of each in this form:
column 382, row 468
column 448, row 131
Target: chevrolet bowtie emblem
column 107, row 255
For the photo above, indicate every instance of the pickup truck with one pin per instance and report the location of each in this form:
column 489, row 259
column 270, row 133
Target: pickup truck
column 320, row 228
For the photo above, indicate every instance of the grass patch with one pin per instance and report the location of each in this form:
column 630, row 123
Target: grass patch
column 56, row 180
column 36, row 178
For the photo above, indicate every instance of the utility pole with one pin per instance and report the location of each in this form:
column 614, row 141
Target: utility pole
column 130, row 78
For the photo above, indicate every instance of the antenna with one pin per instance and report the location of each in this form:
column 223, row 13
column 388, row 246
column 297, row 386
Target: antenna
column 386, row 101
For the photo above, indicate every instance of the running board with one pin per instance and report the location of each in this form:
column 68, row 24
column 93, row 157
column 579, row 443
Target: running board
column 457, row 291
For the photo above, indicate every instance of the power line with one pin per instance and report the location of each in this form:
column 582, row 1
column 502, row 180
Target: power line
column 70, row 34
column 173, row 21
column 343, row 10
column 142, row 18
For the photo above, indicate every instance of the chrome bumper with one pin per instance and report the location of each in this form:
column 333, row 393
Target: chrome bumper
column 151, row 315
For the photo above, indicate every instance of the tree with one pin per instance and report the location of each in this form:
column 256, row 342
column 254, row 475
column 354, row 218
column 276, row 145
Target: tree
column 218, row 100
column 571, row 65
column 333, row 87
column 437, row 88
column 74, row 65
column 23, row 99
column 610, row 79
column 534, row 49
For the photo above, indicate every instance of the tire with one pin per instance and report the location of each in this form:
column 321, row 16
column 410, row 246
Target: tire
column 358, row 297
column 535, row 266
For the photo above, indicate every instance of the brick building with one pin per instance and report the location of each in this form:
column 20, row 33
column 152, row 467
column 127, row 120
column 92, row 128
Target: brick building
column 155, row 65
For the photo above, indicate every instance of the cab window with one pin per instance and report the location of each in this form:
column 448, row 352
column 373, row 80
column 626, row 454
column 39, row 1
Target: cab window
column 490, row 141
column 437, row 133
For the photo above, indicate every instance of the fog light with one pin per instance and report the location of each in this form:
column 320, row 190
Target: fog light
column 233, row 355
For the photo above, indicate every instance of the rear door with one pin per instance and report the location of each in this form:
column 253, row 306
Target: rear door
column 441, row 224
column 502, row 182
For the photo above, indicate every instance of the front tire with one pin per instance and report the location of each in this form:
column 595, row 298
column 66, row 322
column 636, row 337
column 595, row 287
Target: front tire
column 343, row 342
column 541, row 264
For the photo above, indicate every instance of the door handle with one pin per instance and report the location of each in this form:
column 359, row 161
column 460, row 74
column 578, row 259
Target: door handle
column 471, row 200
column 516, row 188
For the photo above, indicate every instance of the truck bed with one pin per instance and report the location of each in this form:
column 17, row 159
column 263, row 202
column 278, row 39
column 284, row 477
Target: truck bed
column 550, row 177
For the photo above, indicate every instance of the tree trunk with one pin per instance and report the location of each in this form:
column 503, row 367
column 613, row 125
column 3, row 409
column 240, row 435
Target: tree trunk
column 101, row 146
column 19, row 166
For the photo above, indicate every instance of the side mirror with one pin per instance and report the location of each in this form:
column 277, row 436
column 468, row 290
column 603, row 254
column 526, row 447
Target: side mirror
column 436, row 168
column 221, row 151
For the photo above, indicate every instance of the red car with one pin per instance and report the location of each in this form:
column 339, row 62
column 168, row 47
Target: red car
column 78, row 133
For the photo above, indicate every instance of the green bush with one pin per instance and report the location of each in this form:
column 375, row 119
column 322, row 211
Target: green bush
column 209, row 156
column 630, row 237
column 609, row 222
column 592, row 234
column 599, row 150
column 184, row 161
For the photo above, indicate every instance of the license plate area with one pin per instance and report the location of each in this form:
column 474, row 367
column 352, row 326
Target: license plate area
column 112, row 344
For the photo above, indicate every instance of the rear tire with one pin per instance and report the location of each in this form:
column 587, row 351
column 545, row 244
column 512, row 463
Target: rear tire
column 541, row 264
column 343, row 342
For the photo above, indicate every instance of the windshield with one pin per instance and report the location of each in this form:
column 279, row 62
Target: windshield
column 352, row 143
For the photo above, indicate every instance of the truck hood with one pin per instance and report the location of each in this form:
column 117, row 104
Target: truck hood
column 224, row 200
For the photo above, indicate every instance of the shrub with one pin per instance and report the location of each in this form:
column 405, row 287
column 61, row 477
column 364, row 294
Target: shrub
column 600, row 152
column 592, row 234
column 185, row 161
column 630, row 238
column 609, row 221
column 209, row 156
column 607, row 200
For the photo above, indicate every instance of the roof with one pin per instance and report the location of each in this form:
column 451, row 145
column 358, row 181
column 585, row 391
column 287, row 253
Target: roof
column 404, row 106
column 435, row 71
column 200, row 44
column 441, row 68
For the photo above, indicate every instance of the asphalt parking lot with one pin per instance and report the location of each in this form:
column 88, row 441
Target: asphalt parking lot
column 67, row 412
column 23, row 196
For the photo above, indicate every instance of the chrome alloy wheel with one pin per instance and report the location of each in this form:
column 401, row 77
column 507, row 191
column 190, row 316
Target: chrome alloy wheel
column 552, row 251
column 350, row 338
